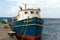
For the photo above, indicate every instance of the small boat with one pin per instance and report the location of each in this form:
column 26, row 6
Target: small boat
column 28, row 24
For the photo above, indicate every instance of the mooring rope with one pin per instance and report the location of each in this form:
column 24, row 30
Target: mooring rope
column 24, row 32
column 25, row 29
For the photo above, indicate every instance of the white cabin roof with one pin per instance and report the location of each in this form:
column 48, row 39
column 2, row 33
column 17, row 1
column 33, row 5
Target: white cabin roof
column 30, row 10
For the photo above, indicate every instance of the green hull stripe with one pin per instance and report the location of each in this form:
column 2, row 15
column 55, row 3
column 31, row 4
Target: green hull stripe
column 29, row 25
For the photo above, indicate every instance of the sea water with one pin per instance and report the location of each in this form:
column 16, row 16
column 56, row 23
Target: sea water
column 51, row 29
column 2, row 19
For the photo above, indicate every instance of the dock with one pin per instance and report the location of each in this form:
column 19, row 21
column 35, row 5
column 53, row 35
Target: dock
column 4, row 34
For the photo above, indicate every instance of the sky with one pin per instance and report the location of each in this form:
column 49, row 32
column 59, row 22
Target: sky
column 49, row 8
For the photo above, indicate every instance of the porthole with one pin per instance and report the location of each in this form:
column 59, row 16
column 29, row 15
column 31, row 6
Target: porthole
column 37, row 12
column 26, row 12
column 32, row 12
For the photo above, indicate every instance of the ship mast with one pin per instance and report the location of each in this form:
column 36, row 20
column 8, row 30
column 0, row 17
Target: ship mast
column 25, row 6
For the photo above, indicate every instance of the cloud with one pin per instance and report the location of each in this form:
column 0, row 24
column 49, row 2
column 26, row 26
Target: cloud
column 28, row 2
column 0, row 7
column 42, row 3
column 13, row 11
column 50, row 13
column 52, row 3
column 24, row 1
column 12, row 0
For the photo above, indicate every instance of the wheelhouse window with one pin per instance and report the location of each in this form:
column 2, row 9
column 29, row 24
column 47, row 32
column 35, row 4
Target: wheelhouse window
column 32, row 12
column 37, row 12
column 26, row 12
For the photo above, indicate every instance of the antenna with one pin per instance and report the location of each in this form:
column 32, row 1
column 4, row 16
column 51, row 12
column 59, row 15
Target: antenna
column 25, row 6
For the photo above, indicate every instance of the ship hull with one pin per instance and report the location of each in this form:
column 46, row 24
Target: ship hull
column 29, row 29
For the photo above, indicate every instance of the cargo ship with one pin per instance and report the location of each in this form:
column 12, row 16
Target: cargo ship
column 28, row 24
